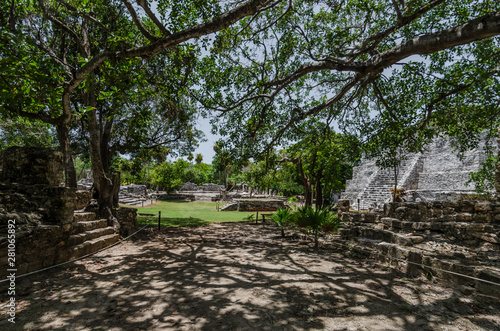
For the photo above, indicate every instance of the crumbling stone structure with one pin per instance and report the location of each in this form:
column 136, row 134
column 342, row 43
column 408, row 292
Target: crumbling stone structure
column 254, row 205
column 51, row 224
column 462, row 237
column 436, row 174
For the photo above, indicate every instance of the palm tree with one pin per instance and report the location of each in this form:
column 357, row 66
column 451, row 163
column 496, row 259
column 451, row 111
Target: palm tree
column 199, row 158
column 282, row 218
column 317, row 219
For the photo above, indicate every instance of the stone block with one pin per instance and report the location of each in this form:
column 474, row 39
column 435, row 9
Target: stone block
column 127, row 217
column 448, row 218
column 464, row 217
column 483, row 206
column 403, row 240
column 466, row 205
column 391, row 223
column 482, row 218
column 420, row 226
column 407, row 226
column 489, row 237
column 82, row 198
column 343, row 205
column 370, row 217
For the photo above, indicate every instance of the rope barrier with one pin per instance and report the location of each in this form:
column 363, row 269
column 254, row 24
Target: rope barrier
column 82, row 257
column 336, row 243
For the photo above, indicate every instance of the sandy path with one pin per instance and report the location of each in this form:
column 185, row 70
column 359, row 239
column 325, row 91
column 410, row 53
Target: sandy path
column 235, row 276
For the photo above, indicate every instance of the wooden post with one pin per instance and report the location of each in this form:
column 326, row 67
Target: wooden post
column 159, row 220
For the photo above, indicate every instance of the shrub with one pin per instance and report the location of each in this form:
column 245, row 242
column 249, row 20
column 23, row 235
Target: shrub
column 282, row 219
column 317, row 219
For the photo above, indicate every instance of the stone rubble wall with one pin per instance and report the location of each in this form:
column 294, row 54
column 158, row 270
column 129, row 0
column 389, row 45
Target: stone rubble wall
column 44, row 211
column 254, row 205
column 209, row 187
column 32, row 166
column 458, row 236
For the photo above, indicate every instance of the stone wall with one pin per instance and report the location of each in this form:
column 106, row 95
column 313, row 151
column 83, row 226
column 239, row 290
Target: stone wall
column 190, row 187
column 31, row 166
column 48, row 230
column 42, row 210
column 255, row 205
column 462, row 237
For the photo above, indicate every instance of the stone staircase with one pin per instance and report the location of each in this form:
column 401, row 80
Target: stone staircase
column 377, row 191
column 89, row 234
column 458, row 237
column 131, row 199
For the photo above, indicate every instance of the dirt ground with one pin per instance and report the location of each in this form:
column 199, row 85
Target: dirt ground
column 235, row 276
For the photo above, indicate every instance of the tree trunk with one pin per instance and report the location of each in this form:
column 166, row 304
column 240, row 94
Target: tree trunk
column 69, row 166
column 103, row 183
column 497, row 173
column 319, row 193
column 394, row 194
column 307, row 184
column 116, row 188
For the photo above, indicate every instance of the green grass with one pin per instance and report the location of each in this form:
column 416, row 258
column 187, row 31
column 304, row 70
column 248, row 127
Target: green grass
column 189, row 214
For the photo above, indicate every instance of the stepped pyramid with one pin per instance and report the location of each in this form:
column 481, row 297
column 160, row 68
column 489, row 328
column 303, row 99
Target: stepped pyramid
column 437, row 173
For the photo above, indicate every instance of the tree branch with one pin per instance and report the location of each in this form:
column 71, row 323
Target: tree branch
column 138, row 22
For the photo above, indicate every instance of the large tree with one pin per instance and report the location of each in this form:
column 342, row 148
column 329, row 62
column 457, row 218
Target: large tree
column 76, row 39
column 323, row 159
column 372, row 66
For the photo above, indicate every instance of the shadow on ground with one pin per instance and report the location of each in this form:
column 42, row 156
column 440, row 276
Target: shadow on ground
column 233, row 277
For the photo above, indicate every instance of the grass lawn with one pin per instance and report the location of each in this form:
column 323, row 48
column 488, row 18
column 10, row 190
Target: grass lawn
column 188, row 214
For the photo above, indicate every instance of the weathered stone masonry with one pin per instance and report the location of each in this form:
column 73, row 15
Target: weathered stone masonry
column 48, row 229
column 457, row 236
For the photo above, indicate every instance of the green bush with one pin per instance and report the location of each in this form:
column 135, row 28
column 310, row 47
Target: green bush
column 316, row 220
column 282, row 219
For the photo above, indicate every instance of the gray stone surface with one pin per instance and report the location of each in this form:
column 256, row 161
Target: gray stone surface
column 438, row 173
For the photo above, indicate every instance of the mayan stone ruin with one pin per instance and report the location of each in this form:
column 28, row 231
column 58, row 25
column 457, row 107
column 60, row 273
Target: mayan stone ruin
column 436, row 174
column 53, row 223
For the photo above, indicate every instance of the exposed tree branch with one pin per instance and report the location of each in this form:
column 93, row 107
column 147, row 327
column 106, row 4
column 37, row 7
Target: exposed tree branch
column 153, row 17
column 145, row 32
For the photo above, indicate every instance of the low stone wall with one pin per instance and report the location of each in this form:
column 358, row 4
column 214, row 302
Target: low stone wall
column 127, row 217
column 462, row 237
column 445, row 211
column 255, row 205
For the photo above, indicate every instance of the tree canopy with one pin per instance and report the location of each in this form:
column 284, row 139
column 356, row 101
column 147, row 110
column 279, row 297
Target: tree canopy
column 400, row 68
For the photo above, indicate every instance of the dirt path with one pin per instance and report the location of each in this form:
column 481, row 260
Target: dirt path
column 235, row 276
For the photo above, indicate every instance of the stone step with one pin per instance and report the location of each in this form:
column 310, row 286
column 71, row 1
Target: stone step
column 92, row 246
column 83, row 216
column 88, row 225
column 367, row 232
column 79, row 238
